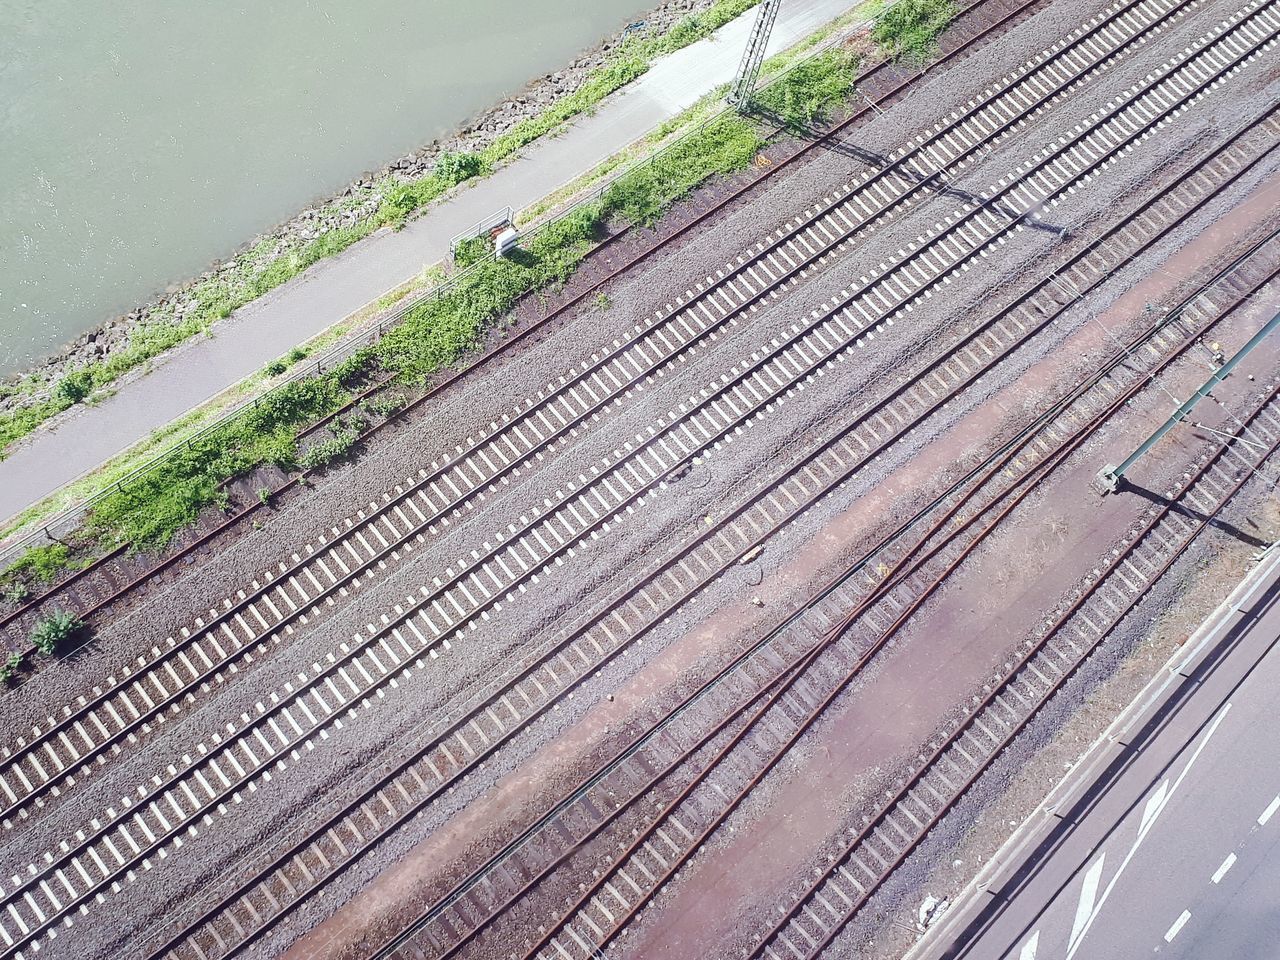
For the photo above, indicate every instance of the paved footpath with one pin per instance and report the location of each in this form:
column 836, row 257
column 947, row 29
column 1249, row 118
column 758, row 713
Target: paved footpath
column 331, row 290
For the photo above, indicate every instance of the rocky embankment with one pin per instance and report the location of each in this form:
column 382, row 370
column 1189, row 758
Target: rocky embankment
column 358, row 202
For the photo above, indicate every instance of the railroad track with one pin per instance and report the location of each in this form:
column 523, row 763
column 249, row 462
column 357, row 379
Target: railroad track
column 308, row 863
column 1012, row 700
column 374, row 540
column 732, row 735
column 98, row 585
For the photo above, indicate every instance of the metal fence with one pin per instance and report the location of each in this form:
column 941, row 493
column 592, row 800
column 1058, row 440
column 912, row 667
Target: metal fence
column 60, row 526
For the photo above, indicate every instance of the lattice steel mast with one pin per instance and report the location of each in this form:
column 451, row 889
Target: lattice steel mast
column 749, row 70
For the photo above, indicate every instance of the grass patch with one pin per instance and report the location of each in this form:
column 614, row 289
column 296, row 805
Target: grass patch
column 41, row 564
column 264, row 268
column 804, row 95
column 52, row 632
column 909, row 29
column 147, row 511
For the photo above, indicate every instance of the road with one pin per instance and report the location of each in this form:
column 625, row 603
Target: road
column 309, row 304
column 1174, row 850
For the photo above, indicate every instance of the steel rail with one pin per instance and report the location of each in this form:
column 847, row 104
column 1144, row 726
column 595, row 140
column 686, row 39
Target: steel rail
column 226, row 614
column 892, row 579
column 1022, row 487
column 302, row 844
column 510, row 343
column 723, row 392
column 1170, row 506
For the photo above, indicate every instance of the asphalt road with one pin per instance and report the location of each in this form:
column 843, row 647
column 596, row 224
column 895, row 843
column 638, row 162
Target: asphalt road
column 331, row 290
column 1174, row 851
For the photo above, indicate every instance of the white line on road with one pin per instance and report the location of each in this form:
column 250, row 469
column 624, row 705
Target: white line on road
column 1155, row 806
column 1029, row 948
column 1084, row 909
column 1177, row 925
column 1266, row 814
column 1227, row 864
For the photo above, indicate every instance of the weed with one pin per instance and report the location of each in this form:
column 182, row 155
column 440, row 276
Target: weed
column 264, row 495
column 275, row 368
column 384, row 405
column 54, row 630
column 908, row 30
column 42, row 563
column 603, row 301
column 471, row 250
column 328, row 450
column 9, row 669
column 803, row 95
column 15, row 592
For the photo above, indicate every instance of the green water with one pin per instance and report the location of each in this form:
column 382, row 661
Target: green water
column 142, row 140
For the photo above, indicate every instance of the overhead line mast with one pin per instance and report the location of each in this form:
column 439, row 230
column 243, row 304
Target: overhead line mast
column 749, row 70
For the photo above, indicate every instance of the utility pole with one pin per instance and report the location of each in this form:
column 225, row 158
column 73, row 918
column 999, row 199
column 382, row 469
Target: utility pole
column 749, row 70
column 1111, row 477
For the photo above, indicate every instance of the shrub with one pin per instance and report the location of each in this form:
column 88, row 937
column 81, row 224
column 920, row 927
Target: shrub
column 276, row 367
column 43, row 563
column 55, row 629
column 9, row 669
column 908, row 30
column 453, row 168
column 74, row 387
column 296, row 354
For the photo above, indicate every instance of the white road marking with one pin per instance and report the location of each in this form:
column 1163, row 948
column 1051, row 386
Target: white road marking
column 1227, row 864
column 1177, row 925
column 1149, row 816
column 1266, row 814
column 1084, row 909
column 1029, row 948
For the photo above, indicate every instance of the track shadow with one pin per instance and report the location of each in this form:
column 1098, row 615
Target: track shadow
column 933, row 181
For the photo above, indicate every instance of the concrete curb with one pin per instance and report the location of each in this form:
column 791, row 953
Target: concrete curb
column 1180, row 669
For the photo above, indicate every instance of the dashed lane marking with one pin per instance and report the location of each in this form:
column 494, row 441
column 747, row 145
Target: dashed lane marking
column 1227, row 864
column 1177, row 925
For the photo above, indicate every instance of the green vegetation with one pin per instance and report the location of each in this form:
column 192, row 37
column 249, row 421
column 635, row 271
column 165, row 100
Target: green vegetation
column 54, row 630
column 41, row 564
column 603, row 302
column 630, row 62
column 147, row 511
column 264, row 268
column 9, row 669
column 808, row 91
column 330, row 449
column 908, row 30
column 471, row 250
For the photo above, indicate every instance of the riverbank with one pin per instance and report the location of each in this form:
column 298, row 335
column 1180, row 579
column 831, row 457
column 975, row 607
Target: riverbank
column 436, row 333
column 88, row 367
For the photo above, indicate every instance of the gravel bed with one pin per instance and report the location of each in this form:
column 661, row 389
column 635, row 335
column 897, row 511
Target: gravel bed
column 352, row 756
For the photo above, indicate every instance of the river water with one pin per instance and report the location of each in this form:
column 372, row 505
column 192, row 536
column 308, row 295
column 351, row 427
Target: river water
column 141, row 140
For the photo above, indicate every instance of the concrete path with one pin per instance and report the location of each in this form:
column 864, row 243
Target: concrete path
column 257, row 333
